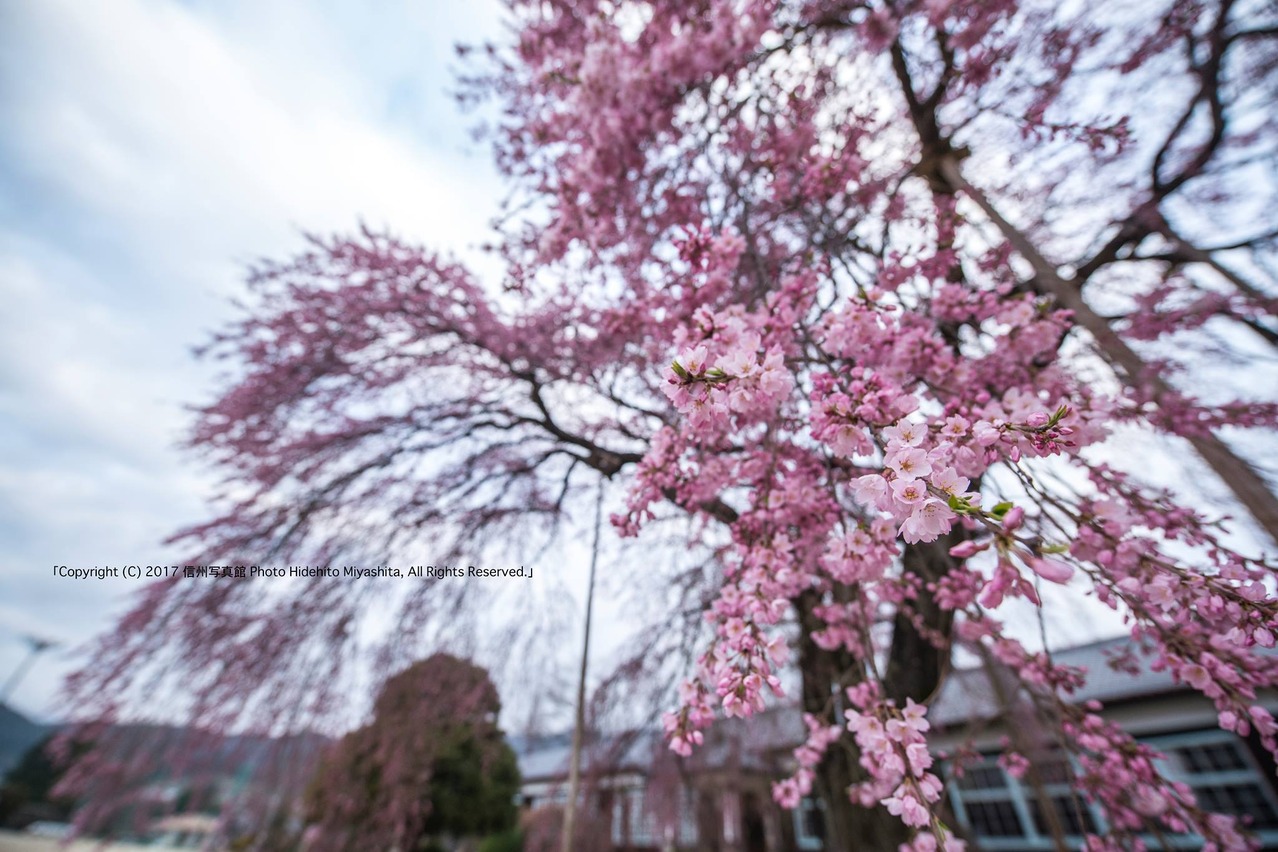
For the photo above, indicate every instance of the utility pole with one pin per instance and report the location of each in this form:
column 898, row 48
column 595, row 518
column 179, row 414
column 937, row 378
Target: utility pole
column 578, row 731
column 38, row 647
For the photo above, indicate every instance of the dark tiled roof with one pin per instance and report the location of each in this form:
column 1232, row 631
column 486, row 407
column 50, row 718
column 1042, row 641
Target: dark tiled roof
column 744, row 744
column 967, row 695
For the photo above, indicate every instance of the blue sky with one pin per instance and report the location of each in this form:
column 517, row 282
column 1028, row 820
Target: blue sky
column 151, row 148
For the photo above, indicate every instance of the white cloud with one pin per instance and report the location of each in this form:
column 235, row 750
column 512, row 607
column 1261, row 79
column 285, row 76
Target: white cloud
column 150, row 149
column 145, row 114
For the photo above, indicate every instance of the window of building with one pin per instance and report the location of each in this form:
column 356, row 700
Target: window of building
column 632, row 822
column 1223, row 774
column 998, row 809
column 995, row 818
column 986, row 801
column 1211, row 757
column 1073, row 813
column 809, row 824
column 688, row 817
column 1005, row 814
column 1241, row 800
column 730, row 804
column 643, row 826
column 982, row 777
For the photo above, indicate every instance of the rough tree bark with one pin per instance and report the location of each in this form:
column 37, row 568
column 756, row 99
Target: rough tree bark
column 917, row 663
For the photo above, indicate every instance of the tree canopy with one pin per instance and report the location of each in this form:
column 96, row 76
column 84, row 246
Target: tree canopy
column 431, row 762
column 26, row 793
column 854, row 293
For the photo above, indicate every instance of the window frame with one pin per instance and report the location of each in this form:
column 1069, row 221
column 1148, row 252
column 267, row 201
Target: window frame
column 1174, row 767
column 802, row 839
column 1022, row 798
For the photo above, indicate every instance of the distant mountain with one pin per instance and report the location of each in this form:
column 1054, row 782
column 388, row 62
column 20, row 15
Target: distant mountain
column 17, row 734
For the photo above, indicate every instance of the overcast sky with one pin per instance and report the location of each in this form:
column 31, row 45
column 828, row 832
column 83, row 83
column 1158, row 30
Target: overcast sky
column 150, row 148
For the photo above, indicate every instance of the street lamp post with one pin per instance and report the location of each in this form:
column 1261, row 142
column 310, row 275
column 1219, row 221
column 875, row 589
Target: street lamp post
column 38, row 647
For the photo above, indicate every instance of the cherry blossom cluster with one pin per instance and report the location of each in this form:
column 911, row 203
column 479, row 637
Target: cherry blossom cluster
column 927, row 841
column 926, row 460
column 788, row 792
column 1115, row 771
column 923, row 488
column 863, row 555
column 729, row 371
column 743, row 378
column 916, row 484
column 683, row 727
column 1177, row 305
column 612, row 85
column 1120, row 773
column 1201, row 625
column 894, row 753
column 741, row 664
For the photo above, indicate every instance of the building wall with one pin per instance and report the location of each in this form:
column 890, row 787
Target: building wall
column 732, row 811
column 1228, row 774
column 716, row 812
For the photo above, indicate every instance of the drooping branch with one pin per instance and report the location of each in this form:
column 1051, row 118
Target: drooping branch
column 1236, row 474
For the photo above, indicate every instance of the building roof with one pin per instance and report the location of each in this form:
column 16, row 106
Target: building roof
column 967, row 695
column 741, row 744
column 617, row 753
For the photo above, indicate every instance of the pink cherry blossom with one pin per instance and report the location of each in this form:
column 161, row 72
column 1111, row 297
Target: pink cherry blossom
column 909, row 462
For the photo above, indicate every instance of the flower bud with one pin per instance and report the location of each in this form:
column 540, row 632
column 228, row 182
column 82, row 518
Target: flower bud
column 1012, row 520
column 967, row 549
column 1050, row 569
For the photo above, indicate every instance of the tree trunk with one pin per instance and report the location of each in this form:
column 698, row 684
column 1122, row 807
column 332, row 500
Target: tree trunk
column 918, row 662
column 847, row 826
column 915, row 668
